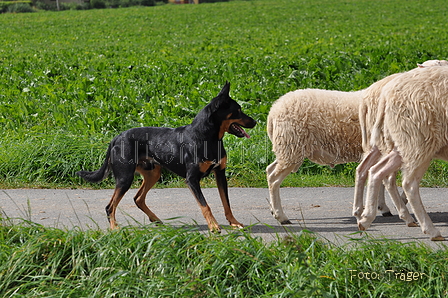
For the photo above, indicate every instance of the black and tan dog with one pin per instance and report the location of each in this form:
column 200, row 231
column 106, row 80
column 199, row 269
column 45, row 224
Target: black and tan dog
column 191, row 151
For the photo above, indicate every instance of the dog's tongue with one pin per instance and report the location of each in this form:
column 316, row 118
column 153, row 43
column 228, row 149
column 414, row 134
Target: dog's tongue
column 244, row 132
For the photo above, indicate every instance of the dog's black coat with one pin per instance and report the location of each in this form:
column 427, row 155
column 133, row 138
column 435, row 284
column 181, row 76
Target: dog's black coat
column 191, row 151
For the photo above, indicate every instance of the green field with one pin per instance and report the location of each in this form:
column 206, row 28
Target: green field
column 70, row 81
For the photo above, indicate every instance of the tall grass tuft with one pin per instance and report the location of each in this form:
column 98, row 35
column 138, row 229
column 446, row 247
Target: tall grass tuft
column 170, row 261
column 173, row 261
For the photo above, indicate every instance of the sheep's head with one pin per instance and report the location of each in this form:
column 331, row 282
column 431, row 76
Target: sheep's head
column 431, row 63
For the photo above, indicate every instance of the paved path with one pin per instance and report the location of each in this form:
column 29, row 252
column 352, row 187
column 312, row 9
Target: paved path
column 325, row 210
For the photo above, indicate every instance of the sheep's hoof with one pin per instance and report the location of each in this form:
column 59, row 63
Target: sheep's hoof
column 438, row 238
column 286, row 222
column 360, row 227
column 357, row 214
column 387, row 214
column 412, row 224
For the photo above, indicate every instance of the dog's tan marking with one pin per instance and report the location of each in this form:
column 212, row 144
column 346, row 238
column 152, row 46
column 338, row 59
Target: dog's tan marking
column 223, row 194
column 227, row 211
column 150, row 177
column 112, row 207
column 205, row 165
column 225, row 126
column 223, row 163
column 211, row 221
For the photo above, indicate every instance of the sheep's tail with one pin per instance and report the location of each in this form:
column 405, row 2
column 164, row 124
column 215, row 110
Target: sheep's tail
column 374, row 93
column 279, row 132
column 362, row 123
column 376, row 133
column 270, row 127
column 100, row 174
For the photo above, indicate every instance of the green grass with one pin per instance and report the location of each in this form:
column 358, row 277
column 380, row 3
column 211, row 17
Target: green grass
column 181, row 262
column 71, row 80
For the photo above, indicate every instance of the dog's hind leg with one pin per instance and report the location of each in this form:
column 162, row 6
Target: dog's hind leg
column 150, row 177
column 221, row 181
column 112, row 206
column 123, row 181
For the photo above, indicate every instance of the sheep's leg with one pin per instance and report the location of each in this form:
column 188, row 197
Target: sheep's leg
column 385, row 167
column 403, row 197
column 360, row 180
column 382, row 207
column 276, row 173
column 411, row 181
column 391, row 184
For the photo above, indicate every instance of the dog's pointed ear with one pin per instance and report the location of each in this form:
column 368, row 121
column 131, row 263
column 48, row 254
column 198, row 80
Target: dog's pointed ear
column 222, row 98
column 225, row 90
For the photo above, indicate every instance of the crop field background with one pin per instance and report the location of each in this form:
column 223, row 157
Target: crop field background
column 70, row 81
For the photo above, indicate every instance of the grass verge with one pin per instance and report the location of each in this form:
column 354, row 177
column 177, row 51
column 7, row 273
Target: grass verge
column 169, row 261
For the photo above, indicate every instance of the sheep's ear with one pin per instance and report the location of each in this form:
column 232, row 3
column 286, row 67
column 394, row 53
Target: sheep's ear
column 420, row 65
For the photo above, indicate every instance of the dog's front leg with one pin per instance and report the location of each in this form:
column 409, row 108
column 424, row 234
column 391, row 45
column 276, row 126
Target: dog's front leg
column 193, row 182
column 221, row 181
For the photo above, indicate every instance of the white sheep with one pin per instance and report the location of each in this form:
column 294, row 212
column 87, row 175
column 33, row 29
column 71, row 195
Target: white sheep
column 320, row 125
column 411, row 129
column 370, row 109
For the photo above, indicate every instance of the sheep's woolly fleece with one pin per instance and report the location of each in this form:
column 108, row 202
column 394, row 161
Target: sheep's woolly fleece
column 416, row 117
column 368, row 110
column 372, row 108
column 321, row 125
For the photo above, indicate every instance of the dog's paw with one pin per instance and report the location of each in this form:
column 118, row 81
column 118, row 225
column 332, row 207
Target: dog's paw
column 216, row 230
column 237, row 225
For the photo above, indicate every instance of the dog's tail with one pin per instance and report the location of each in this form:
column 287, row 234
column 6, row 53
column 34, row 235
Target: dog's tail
column 100, row 174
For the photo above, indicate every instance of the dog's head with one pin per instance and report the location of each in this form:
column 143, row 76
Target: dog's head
column 228, row 115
